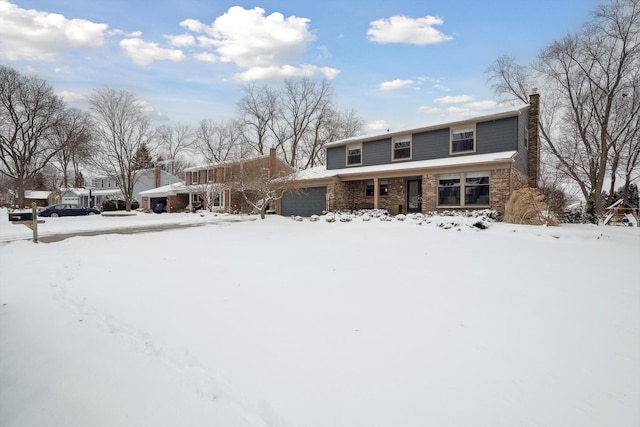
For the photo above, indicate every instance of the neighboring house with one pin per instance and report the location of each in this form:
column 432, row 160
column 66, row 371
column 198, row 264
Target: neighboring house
column 214, row 186
column 620, row 213
column 470, row 164
column 87, row 197
column 41, row 198
column 106, row 188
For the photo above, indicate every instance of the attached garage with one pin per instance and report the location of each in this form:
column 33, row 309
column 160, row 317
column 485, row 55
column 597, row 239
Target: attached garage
column 305, row 202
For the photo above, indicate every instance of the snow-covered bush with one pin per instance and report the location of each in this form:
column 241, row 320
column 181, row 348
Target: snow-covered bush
column 401, row 217
column 314, row 218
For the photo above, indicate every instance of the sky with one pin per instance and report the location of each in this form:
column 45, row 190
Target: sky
column 399, row 64
column 423, row 327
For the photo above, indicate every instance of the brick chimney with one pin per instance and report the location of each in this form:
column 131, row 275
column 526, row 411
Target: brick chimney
column 534, row 139
column 158, row 176
column 272, row 162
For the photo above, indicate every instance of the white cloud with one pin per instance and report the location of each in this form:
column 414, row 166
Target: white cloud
column 145, row 53
column 285, row 71
column 377, row 126
column 193, row 25
column 459, row 99
column 72, row 97
column 206, row 57
column 402, row 29
column 31, row 34
column 441, row 87
column 428, row 110
column 482, row 105
column 250, row 39
column 395, row 85
column 265, row 46
column 181, row 40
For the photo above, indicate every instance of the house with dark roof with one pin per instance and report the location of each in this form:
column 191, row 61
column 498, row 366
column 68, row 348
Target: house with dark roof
column 461, row 165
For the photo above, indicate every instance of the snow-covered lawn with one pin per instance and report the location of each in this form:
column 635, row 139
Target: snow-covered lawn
column 285, row 323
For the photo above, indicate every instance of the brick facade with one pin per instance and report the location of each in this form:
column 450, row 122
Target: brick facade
column 351, row 195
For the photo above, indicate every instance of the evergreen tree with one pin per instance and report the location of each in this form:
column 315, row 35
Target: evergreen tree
column 590, row 215
column 79, row 181
column 142, row 159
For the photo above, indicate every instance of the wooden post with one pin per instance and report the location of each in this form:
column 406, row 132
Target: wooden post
column 34, row 221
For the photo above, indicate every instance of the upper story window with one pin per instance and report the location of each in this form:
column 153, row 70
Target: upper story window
column 194, row 177
column 401, row 148
column 354, row 154
column 210, row 175
column 463, row 140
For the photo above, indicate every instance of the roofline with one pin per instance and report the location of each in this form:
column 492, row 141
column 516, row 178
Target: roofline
column 407, row 168
column 226, row 163
column 375, row 137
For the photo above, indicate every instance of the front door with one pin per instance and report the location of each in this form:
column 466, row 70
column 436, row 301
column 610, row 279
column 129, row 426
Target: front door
column 414, row 195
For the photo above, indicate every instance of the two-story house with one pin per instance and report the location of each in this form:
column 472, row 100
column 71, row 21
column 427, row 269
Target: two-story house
column 216, row 186
column 103, row 188
column 470, row 164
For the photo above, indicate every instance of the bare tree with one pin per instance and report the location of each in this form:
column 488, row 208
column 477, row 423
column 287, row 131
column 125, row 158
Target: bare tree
column 257, row 110
column 591, row 101
column 175, row 142
column 329, row 126
column 30, row 112
column 301, row 104
column 73, row 137
column 297, row 118
column 120, row 128
column 217, row 141
column 262, row 180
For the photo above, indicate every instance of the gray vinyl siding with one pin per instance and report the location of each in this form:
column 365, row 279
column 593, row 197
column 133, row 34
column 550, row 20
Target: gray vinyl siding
column 521, row 162
column 376, row 152
column 336, row 157
column 491, row 137
column 430, row 145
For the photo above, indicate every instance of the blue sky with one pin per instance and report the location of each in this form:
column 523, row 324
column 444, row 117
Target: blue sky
column 399, row 64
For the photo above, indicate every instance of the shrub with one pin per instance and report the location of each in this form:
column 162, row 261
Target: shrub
column 118, row 205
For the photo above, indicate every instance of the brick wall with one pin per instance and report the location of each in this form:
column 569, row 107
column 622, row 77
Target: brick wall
column 429, row 193
column 177, row 203
column 534, row 140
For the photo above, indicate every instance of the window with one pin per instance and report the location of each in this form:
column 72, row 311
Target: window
column 476, row 189
column 368, row 188
column 210, row 175
column 218, row 200
column 402, row 148
column 194, row 177
column 449, row 190
column 463, row 140
column 473, row 185
column 384, row 187
column 354, row 155
column 265, row 173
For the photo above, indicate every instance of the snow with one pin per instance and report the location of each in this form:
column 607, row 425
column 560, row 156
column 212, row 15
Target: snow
column 276, row 322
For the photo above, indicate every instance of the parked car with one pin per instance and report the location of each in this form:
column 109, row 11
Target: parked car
column 66, row 209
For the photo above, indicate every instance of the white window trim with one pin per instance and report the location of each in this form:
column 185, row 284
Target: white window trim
column 353, row 146
column 471, row 126
column 221, row 194
column 402, row 138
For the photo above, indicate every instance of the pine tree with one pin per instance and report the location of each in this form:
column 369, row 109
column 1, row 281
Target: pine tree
column 590, row 215
column 142, row 159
